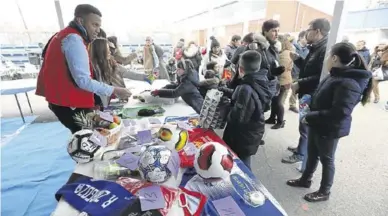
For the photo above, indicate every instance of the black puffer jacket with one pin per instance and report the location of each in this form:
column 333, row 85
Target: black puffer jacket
column 187, row 88
column 245, row 127
column 311, row 68
column 333, row 103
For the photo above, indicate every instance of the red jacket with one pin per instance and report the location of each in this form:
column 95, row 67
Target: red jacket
column 55, row 82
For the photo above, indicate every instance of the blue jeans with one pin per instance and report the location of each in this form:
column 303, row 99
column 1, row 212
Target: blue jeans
column 302, row 145
column 247, row 161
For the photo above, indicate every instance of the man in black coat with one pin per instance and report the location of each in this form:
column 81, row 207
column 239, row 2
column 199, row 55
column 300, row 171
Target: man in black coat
column 309, row 76
column 245, row 123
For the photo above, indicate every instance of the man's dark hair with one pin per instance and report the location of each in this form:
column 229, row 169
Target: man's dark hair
column 250, row 60
column 85, row 9
column 211, row 65
column 248, row 38
column 182, row 40
column 322, row 24
column 302, row 34
column 236, row 38
column 269, row 24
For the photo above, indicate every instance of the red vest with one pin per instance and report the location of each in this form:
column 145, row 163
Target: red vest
column 55, row 82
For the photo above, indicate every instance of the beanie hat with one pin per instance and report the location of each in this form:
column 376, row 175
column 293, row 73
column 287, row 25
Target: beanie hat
column 214, row 43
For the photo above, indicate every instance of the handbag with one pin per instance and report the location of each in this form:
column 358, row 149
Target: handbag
column 380, row 74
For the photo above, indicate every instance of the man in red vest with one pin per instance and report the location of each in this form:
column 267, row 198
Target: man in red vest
column 66, row 79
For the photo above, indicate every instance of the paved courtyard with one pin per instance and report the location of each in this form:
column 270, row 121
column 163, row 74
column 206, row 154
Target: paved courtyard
column 361, row 181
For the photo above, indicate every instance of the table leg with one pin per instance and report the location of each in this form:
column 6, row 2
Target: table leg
column 29, row 104
column 20, row 109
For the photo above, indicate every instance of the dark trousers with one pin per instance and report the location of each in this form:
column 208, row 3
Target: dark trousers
column 277, row 106
column 66, row 116
column 246, row 160
column 321, row 149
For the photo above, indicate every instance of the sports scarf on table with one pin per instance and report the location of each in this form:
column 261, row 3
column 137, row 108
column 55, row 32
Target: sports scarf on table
column 96, row 197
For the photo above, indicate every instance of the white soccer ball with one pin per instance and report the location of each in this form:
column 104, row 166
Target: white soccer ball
column 80, row 148
column 213, row 161
column 153, row 164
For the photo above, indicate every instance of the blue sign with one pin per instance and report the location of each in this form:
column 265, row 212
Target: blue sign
column 247, row 191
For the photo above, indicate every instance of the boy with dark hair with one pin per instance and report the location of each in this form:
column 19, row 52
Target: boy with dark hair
column 186, row 87
column 250, row 99
column 212, row 79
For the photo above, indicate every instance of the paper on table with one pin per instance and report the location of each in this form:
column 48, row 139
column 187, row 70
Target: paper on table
column 98, row 139
column 106, row 116
column 174, row 163
column 129, row 161
column 151, row 198
column 190, row 149
column 227, row 207
column 184, row 126
column 129, row 122
column 144, row 136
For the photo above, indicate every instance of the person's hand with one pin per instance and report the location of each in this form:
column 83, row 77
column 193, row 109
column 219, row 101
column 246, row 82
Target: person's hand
column 303, row 120
column 294, row 55
column 122, row 93
column 295, row 87
column 155, row 93
column 278, row 71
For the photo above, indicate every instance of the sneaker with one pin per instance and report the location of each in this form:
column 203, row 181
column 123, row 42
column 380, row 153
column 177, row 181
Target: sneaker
column 376, row 100
column 292, row 149
column 317, row 196
column 292, row 159
column 294, row 109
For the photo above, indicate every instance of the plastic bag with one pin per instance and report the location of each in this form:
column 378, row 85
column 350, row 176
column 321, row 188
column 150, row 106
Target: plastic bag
column 134, row 185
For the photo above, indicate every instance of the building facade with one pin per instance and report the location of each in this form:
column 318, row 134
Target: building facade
column 242, row 17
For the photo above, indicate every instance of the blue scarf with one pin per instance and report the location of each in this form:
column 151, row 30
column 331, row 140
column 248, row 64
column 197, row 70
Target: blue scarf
column 96, row 197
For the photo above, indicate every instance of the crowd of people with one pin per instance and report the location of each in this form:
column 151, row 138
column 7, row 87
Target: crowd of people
column 83, row 69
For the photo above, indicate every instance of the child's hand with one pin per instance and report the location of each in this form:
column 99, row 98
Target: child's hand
column 155, row 93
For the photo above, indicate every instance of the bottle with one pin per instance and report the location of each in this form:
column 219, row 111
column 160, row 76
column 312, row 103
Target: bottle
column 304, row 106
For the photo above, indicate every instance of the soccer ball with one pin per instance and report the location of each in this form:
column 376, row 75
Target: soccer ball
column 213, row 161
column 172, row 137
column 153, row 164
column 80, row 148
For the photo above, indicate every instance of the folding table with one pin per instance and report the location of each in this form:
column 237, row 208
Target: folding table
column 16, row 91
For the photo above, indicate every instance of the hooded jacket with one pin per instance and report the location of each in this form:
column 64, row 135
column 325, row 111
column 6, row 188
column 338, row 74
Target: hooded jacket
column 187, row 88
column 245, row 127
column 333, row 103
column 192, row 53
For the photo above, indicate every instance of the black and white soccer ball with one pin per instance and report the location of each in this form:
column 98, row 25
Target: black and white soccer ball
column 80, row 148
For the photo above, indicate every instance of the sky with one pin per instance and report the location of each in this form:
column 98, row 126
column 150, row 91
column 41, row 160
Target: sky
column 120, row 15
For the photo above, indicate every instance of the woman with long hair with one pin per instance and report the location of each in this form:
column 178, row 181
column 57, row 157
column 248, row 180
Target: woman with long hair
column 107, row 70
column 330, row 116
column 285, row 81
